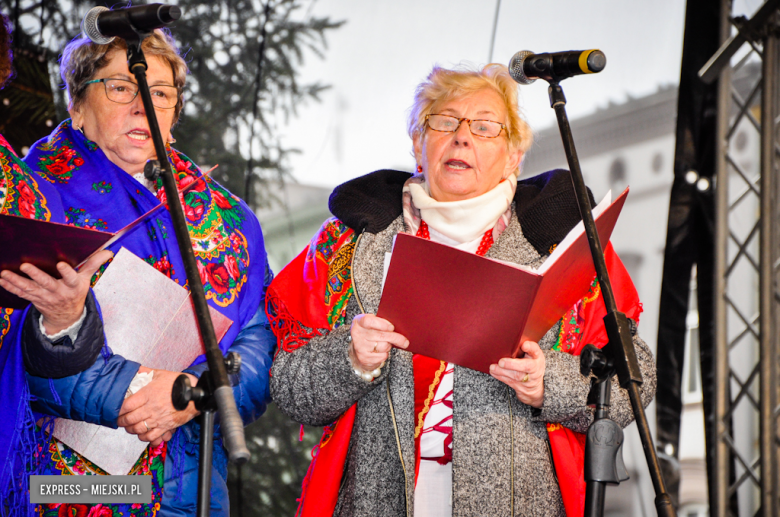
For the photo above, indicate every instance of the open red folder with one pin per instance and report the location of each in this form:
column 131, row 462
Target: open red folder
column 472, row 311
column 44, row 244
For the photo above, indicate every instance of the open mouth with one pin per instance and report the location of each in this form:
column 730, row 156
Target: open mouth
column 138, row 134
column 457, row 165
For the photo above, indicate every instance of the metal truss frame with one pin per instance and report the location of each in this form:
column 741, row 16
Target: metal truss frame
column 747, row 257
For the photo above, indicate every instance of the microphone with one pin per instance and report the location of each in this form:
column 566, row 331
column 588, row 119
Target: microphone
column 102, row 25
column 526, row 67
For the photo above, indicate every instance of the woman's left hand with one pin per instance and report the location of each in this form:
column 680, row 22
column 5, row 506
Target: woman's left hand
column 60, row 301
column 150, row 414
column 524, row 375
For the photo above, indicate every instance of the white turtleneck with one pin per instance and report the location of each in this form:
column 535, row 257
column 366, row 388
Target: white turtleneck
column 464, row 220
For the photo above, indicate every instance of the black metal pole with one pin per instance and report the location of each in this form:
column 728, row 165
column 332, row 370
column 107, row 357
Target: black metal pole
column 204, row 466
column 620, row 347
column 231, row 424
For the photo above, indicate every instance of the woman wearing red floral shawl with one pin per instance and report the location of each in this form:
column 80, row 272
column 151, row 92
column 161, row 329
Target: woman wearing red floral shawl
column 411, row 435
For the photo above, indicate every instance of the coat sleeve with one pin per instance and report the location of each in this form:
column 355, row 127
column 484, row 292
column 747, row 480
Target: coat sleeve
column 94, row 395
column 62, row 358
column 315, row 383
column 256, row 344
column 566, row 390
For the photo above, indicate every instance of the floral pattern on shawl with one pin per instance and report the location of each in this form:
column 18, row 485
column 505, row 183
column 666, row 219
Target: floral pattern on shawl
column 19, row 192
column 64, row 461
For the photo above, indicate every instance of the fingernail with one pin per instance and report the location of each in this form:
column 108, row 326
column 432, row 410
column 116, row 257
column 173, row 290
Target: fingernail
column 492, row 368
column 501, row 363
column 406, row 343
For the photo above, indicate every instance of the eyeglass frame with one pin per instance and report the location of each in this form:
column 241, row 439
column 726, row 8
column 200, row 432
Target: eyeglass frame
column 105, row 89
column 460, row 121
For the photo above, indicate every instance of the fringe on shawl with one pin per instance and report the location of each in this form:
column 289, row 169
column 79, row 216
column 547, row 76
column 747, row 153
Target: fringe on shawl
column 26, row 457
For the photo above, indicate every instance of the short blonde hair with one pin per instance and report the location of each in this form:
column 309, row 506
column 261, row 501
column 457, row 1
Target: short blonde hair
column 82, row 59
column 443, row 85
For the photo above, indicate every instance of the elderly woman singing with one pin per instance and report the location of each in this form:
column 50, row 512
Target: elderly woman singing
column 95, row 161
column 411, row 435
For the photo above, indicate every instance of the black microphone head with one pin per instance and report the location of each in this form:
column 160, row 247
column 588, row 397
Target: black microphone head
column 90, row 28
column 516, row 67
column 169, row 13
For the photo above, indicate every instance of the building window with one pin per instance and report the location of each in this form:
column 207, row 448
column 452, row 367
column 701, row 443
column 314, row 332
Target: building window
column 658, row 162
column 617, row 174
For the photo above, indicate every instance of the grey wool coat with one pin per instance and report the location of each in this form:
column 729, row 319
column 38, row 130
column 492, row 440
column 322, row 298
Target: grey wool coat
column 501, row 463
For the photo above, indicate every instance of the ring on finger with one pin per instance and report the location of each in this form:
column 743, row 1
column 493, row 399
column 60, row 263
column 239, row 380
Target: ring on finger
column 146, row 425
column 524, row 379
column 376, row 345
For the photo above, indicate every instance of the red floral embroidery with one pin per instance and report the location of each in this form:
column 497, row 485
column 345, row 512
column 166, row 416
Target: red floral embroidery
column 60, row 166
column 232, row 267
column 219, row 278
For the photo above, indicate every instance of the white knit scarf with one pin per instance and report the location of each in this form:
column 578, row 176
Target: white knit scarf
column 464, row 220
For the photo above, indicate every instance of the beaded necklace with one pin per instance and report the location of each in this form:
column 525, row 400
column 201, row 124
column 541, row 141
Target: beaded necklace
column 484, row 245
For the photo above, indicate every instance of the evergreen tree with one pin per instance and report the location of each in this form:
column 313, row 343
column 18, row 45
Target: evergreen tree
column 243, row 57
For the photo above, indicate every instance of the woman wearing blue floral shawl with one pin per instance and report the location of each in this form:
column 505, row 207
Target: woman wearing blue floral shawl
column 95, row 161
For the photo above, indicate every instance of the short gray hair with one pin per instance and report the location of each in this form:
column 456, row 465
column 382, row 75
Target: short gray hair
column 82, row 59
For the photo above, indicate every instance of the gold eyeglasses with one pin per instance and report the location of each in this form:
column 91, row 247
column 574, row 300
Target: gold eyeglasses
column 448, row 124
column 124, row 92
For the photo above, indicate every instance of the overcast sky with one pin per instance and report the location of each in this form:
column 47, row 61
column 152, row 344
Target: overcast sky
column 386, row 48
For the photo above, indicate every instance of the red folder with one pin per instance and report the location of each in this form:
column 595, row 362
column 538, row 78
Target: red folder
column 44, row 244
column 472, row 311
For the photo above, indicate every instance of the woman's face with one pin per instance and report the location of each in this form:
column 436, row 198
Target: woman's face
column 121, row 130
column 461, row 165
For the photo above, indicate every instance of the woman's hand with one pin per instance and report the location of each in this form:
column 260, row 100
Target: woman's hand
column 372, row 339
column 524, row 375
column 61, row 302
column 150, row 414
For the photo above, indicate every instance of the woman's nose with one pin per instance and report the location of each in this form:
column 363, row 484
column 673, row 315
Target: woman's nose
column 138, row 105
column 463, row 134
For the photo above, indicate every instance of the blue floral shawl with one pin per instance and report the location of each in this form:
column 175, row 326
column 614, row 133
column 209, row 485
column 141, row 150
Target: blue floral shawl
column 22, row 193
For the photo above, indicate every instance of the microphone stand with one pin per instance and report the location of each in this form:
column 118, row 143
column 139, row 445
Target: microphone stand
column 213, row 391
column 603, row 458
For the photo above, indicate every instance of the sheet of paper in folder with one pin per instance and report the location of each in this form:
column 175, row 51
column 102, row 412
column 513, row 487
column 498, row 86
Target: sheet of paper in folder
column 147, row 318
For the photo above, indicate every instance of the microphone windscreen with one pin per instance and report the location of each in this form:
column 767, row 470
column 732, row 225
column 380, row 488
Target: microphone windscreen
column 516, row 67
column 89, row 26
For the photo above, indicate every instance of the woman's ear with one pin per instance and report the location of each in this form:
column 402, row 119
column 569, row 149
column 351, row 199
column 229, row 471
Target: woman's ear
column 417, row 141
column 75, row 115
column 512, row 163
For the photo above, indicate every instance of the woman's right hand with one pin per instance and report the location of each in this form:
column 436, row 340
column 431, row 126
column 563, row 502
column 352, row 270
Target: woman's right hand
column 372, row 339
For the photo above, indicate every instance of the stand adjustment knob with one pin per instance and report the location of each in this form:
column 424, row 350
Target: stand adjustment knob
column 184, row 392
column 152, row 170
column 233, row 362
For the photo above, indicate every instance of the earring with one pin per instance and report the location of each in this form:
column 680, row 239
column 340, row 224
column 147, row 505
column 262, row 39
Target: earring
column 419, row 169
column 171, row 140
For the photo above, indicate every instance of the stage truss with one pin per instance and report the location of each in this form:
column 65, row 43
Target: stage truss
column 747, row 300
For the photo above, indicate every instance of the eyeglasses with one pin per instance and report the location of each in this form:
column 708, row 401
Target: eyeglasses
column 124, row 92
column 447, row 124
